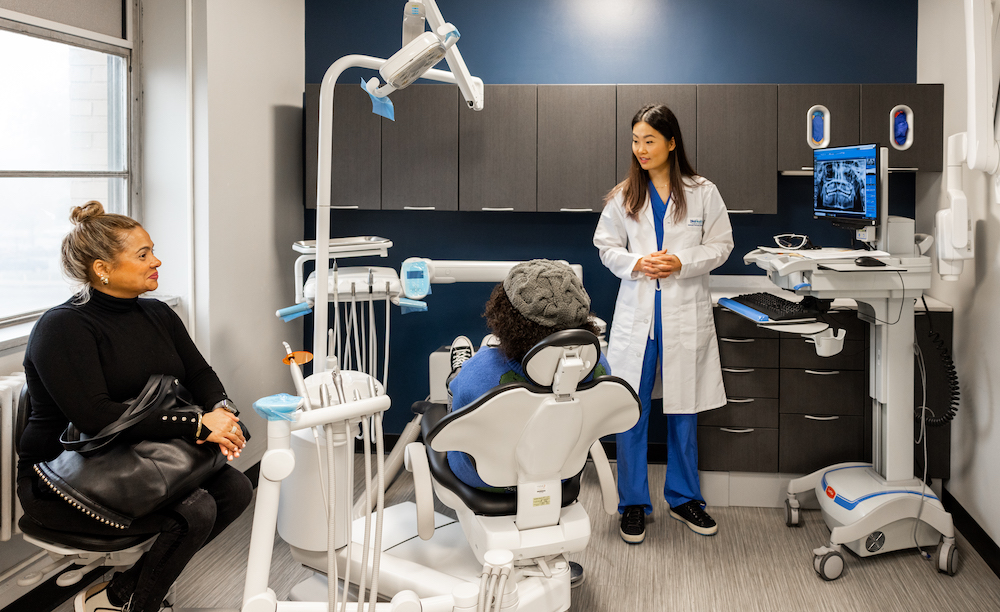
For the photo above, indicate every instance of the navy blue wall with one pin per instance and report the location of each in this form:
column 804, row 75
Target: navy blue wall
column 602, row 41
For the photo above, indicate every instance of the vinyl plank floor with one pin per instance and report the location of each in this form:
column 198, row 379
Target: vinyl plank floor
column 754, row 563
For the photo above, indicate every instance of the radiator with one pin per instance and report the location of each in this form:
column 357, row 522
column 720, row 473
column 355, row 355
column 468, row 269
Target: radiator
column 10, row 509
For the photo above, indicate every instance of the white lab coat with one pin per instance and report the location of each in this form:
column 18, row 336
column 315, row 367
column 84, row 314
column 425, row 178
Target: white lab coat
column 691, row 373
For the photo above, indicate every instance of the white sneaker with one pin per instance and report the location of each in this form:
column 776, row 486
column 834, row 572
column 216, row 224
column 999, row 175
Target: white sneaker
column 490, row 340
column 95, row 599
column 462, row 350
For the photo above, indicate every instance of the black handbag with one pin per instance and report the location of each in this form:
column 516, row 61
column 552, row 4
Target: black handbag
column 118, row 482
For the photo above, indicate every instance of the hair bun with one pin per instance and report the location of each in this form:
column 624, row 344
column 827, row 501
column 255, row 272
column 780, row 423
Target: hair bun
column 91, row 209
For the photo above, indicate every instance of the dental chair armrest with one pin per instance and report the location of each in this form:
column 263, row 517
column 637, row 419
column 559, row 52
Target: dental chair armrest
column 416, row 462
column 609, row 492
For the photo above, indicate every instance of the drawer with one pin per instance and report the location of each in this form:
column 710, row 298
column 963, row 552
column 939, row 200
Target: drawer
column 732, row 449
column 823, row 391
column 748, row 352
column 732, row 325
column 798, row 352
column 807, row 444
column 743, row 412
column 750, row 382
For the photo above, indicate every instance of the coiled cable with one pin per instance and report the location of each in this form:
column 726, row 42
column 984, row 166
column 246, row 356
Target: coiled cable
column 950, row 374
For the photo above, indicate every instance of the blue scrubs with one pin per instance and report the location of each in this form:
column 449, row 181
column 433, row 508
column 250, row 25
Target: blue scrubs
column 681, row 484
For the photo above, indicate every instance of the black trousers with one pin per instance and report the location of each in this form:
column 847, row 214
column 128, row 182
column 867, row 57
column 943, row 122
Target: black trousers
column 182, row 528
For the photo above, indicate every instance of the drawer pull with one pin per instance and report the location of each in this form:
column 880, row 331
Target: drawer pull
column 736, row 431
column 498, row 208
column 740, row 400
column 736, row 339
column 345, row 207
column 821, row 418
column 576, row 210
column 824, row 373
column 738, row 370
column 418, row 208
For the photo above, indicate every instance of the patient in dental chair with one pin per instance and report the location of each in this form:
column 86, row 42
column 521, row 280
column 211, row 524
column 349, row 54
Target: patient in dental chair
column 538, row 298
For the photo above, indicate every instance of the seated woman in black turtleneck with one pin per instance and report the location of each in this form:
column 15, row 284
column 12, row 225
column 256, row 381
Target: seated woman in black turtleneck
column 85, row 360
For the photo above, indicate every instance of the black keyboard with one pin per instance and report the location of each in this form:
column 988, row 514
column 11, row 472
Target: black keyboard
column 780, row 309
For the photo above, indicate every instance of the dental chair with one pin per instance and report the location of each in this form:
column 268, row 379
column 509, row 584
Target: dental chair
column 66, row 548
column 532, row 437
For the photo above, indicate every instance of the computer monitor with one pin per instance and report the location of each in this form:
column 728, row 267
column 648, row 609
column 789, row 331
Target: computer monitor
column 847, row 185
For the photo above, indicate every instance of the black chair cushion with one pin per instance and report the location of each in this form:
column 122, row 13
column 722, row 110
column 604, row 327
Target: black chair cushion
column 85, row 542
column 484, row 503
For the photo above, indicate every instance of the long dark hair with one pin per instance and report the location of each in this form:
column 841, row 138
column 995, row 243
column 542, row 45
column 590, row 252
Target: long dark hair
column 635, row 187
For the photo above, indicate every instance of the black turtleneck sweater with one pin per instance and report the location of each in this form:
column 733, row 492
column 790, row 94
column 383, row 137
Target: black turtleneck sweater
column 84, row 363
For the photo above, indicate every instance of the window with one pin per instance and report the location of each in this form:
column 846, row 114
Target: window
column 64, row 140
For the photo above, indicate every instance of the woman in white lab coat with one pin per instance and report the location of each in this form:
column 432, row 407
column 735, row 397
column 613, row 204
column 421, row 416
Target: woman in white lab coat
column 663, row 229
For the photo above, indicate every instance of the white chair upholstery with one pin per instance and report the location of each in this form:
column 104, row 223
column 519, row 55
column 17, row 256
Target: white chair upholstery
column 534, row 436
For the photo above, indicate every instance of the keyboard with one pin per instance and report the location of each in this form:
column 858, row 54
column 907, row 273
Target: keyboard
column 763, row 307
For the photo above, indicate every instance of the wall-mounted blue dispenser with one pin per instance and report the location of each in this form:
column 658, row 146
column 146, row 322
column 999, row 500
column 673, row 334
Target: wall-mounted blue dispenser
column 901, row 127
column 818, row 127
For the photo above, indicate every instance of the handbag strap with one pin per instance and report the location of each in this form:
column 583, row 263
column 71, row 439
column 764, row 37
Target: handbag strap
column 151, row 396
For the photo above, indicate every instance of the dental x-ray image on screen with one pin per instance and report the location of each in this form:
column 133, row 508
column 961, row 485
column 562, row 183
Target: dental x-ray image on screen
column 845, row 184
column 840, row 185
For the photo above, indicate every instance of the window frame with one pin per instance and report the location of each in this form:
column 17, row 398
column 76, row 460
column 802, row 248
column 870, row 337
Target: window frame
column 132, row 110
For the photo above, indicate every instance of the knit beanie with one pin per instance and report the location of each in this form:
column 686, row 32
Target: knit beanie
column 548, row 293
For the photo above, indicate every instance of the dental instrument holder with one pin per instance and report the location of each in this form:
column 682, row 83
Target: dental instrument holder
column 863, row 501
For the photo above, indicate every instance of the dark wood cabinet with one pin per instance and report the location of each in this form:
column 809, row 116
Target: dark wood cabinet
column 938, row 391
column 794, row 123
column 356, row 173
column 420, row 149
column 738, row 144
column 926, row 101
column 576, row 146
column 497, row 151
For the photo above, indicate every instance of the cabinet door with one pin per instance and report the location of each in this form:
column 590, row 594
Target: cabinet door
column 576, row 146
column 807, row 444
column 497, row 151
column 738, row 144
column 681, row 99
column 927, row 103
column 794, row 101
column 420, row 149
column 357, row 169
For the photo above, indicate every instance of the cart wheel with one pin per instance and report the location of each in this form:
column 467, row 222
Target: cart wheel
column 791, row 515
column 829, row 566
column 947, row 558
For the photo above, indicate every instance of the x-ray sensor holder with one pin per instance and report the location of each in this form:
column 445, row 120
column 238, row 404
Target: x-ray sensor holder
column 901, row 127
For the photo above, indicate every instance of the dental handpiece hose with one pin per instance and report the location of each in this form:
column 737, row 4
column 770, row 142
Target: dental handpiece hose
column 300, row 388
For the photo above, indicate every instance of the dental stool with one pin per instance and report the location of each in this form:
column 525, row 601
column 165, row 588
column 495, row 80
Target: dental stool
column 534, row 436
column 66, row 548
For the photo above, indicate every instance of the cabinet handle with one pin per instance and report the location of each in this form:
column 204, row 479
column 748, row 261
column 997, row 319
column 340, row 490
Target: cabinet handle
column 418, row 208
column 809, row 168
column 820, row 418
column 740, row 212
column 345, row 207
column 497, row 208
column 576, row 210
column 736, row 431
column 740, row 400
column 818, row 373
column 736, row 339
column 737, row 370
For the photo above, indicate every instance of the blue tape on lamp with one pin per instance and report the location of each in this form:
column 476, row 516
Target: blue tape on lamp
column 380, row 106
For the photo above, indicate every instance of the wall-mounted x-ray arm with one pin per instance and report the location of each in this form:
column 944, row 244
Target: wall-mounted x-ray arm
column 409, row 61
column 976, row 147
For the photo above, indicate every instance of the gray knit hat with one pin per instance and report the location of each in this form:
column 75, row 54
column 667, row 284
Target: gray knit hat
column 548, row 293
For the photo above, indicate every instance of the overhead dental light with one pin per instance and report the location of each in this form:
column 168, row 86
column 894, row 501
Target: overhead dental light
column 420, row 51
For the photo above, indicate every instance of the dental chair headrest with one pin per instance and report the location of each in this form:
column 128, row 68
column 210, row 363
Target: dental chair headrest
column 541, row 361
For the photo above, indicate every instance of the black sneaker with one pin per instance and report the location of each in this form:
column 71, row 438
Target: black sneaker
column 694, row 516
column 633, row 528
column 461, row 350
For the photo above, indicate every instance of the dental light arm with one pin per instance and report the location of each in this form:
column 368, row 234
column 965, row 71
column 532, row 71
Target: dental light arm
column 459, row 75
column 977, row 146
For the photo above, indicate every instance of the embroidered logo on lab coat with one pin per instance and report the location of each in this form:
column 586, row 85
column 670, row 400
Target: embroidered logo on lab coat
column 696, row 222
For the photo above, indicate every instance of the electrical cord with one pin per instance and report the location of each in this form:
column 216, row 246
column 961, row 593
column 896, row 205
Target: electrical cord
column 950, row 374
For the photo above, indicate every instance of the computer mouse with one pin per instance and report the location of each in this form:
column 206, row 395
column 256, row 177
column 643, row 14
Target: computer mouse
column 868, row 262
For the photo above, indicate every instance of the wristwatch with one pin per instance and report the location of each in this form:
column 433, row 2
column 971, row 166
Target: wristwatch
column 227, row 405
